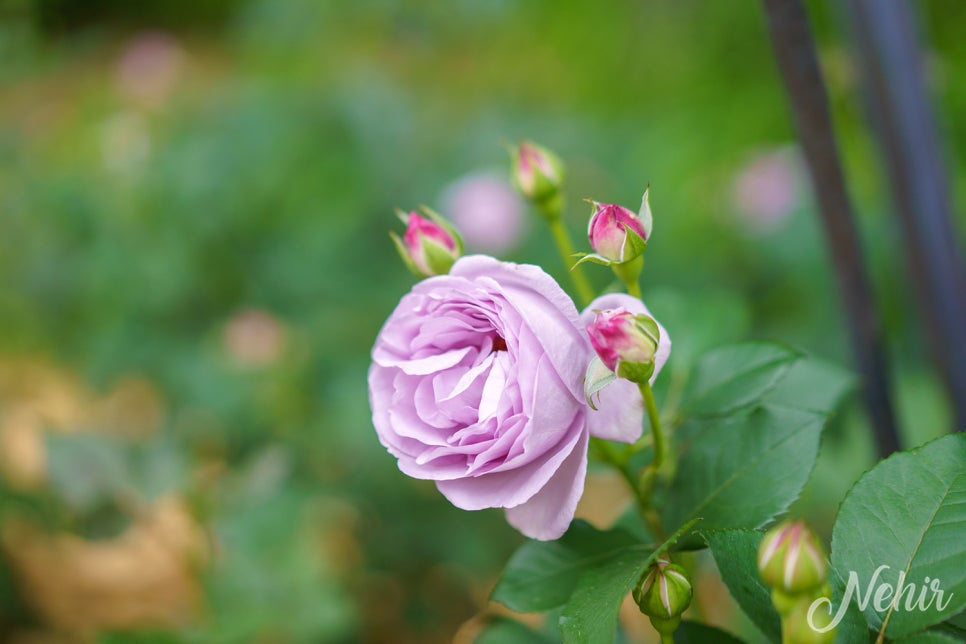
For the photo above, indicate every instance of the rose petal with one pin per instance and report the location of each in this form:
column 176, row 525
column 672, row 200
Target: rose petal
column 548, row 513
column 514, row 486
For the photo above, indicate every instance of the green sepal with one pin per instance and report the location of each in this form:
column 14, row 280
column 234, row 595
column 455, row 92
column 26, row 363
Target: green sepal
column 404, row 254
column 598, row 376
column 638, row 372
column 644, row 214
column 438, row 258
column 649, row 326
column 633, row 243
column 447, row 226
column 593, row 258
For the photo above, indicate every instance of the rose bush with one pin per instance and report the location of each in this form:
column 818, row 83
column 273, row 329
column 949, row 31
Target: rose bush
column 477, row 384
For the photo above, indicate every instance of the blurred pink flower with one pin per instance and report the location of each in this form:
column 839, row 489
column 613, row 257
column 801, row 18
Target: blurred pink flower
column 254, row 338
column 768, row 188
column 487, row 212
column 149, row 67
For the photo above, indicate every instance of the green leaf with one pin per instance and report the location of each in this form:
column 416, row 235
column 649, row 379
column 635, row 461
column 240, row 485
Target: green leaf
column 542, row 574
column 502, row 630
column 929, row 637
column 907, row 513
column 695, row 633
column 852, row 628
column 591, row 613
column 811, row 385
column 736, row 553
column 699, row 323
column 733, row 377
column 742, row 470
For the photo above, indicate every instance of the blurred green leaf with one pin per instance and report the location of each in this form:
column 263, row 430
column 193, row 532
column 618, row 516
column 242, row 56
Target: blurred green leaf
column 502, row 630
column 729, row 378
column 86, row 469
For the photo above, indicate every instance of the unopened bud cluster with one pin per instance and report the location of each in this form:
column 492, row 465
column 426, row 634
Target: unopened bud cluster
column 791, row 561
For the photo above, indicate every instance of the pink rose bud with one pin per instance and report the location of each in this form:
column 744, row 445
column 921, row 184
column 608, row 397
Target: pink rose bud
column 617, row 234
column 537, row 172
column 626, row 343
column 429, row 246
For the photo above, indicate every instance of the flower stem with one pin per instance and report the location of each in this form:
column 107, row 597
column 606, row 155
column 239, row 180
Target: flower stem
column 562, row 238
column 655, row 418
column 648, row 476
column 619, row 461
column 667, row 639
column 634, row 289
column 628, row 273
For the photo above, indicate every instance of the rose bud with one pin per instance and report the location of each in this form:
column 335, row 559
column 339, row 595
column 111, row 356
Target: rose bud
column 537, row 172
column 663, row 594
column 791, row 560
column 796, row 628
column 626, row 343
column 429, row 246
column 618, row 235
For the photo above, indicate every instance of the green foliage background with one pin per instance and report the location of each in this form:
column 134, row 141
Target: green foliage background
column 268, row 180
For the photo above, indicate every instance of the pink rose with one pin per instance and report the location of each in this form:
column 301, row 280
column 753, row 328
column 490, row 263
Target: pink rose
column 477, row 384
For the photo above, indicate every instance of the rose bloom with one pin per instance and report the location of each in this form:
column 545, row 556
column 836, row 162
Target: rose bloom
column 477, row 384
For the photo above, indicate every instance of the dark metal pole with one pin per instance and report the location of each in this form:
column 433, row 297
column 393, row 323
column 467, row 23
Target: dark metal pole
column 899, row 107
column 795, row 52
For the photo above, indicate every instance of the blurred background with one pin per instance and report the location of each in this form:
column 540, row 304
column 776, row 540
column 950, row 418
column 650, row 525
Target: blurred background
column 194, row 263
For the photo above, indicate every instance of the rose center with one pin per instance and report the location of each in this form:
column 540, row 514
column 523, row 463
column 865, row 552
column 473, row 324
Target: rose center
column 499, row 344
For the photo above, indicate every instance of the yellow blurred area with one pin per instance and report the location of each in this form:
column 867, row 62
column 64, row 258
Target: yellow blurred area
column 146, row 575
column 38, row 398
